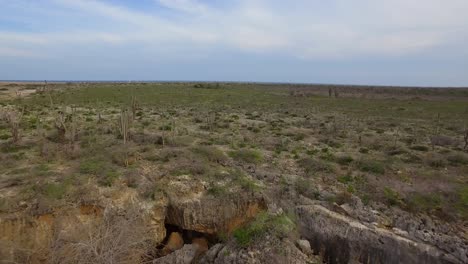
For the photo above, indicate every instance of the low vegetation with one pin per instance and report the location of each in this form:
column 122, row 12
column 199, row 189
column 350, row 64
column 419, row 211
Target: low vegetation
column 74, row 144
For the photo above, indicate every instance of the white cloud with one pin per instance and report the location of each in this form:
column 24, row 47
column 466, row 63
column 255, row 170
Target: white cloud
column 302, row 28
column 15, row 52
column 188, row 6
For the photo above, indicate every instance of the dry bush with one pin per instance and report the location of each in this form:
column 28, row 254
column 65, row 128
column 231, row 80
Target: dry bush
column 119, row 237
column 465, row 139
column 443, row 141
column 13, row 119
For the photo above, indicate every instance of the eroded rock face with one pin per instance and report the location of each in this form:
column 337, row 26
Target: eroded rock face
column 341, row 239
column 212, row 215
column 268, row 251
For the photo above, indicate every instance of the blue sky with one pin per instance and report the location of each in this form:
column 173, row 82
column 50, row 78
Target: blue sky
column 393, row 42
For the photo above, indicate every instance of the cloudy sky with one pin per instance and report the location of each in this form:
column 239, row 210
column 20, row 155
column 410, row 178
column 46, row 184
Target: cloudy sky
column 395, row 42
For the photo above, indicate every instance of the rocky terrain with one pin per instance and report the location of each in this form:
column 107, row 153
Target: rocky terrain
column 232, row 173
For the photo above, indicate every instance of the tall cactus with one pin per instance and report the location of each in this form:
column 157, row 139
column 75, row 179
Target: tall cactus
column 124, row 125
column 134, row 106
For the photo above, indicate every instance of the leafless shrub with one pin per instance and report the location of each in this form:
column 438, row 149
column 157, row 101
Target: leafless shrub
column 66, row 126
column 443, row 141
column 465, row 138
column 119, row 237
column 13, row 119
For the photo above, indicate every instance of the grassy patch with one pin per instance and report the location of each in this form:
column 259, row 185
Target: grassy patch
column 210, row 153
column 420, row 148
column 424, row 202
column 55, row 190
column 344, row 159
column 305, row 188
column 371, row 166
column 458, row 159
column 247, row 156
column 311, row 165
column 392, row 197
column 92, row 166
column 263, row 224
column 462, row 204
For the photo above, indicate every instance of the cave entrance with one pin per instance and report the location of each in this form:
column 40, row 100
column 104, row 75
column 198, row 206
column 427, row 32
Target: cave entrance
column 188, row 237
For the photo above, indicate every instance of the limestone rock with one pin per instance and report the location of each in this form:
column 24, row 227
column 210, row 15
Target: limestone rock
column 341, row 239
column 184, row 255
column 268, row 251
column 212, row 215
column 304, row 246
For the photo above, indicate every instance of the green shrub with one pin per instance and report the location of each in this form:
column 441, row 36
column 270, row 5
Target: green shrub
column 392, row 197
column 55, row 190
column 311, row 165
column 424, row 202
column 4, row 136
column 244, row 181
column 436, row 162
column 191, row 167
column 108, row 178
column 280, row 226
column 462, row 203
column 420, row 148
column 210, row 153
column 363, row 150
column 372, row 166
column 218, row 190
column 458, row 159
column 344, row 159
column 345, row 179
column 305, row 188
column 247, row 155
column 92, row 166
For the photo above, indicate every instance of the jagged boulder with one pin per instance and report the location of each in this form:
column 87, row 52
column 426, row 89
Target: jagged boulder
column 185, row 255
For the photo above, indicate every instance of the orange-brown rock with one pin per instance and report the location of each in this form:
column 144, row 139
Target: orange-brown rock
column 202, row 244
column 174, row 242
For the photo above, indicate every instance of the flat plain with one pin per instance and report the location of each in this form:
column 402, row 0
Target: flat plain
column 230, row 167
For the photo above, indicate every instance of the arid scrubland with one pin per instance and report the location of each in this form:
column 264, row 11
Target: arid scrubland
column 232, row 173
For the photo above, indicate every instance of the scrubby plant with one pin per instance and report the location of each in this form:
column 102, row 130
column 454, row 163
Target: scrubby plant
column 55, row 190
column 13, row 119
column 391, row 196
column 372, row 166
column 344, row 159
column 423, row 202
column 311, row 165
column 247, row 155
column 436, row 161
column 211, row 153
column 120, row 237
column 458, row 159
column 419, row 148
column 465, row 139
column 305, row 188
column 278, row 225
